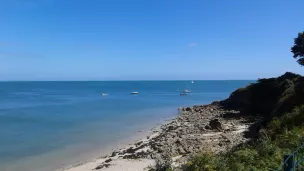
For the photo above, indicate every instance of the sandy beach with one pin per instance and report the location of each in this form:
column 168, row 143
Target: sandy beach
column 118, row 162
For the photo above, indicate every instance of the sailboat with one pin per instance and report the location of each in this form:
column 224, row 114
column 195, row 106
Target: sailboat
column 104, row 94
column 192, row 82
column 187, row 91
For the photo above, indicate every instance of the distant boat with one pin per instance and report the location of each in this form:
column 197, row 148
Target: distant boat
column 134, row 92
column 192, row 82
column 187, row 91
column 104, row 94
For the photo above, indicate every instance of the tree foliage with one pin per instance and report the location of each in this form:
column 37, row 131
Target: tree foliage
column 298, row 48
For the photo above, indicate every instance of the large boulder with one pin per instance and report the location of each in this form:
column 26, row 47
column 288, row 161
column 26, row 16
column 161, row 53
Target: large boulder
column 188, row 109
column 215, row 124
column 130, row 150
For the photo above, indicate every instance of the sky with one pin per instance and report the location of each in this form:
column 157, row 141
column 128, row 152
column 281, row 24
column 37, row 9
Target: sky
column 148, row 39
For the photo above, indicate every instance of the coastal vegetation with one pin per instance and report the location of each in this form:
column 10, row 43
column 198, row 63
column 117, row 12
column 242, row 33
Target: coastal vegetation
column 279, row 105
column 298, row 48
column 279, row 102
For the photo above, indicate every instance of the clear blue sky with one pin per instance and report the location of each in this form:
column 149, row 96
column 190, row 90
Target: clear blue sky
column 147, row 39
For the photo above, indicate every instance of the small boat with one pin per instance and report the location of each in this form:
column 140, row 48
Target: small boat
column 192, row 82
column 134, row 92
column 104, row 94
column 187, row 91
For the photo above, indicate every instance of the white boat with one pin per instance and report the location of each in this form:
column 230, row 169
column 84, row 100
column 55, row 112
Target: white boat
column 134, row 92
column 104, row 94
column 187, row 91
column 192, row 82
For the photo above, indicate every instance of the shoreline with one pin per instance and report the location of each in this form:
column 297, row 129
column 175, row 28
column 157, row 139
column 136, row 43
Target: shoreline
column 93, row 163
column 199, row 128
column 140, row 136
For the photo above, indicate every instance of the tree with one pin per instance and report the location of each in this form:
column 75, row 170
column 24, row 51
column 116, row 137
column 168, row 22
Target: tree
column 298, row 48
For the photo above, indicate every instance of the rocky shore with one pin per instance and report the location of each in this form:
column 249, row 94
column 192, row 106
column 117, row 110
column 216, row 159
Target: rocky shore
column 200, row 128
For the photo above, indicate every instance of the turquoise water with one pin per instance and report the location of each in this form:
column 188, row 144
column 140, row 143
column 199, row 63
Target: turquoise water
column 41, row 118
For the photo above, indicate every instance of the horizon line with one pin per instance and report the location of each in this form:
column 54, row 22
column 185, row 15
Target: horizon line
column 123, row 80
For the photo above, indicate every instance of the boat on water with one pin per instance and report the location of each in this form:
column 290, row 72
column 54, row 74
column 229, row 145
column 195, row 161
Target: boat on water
column 187, row 91
column 104, row 94
column 134, row 92
column 192, row 82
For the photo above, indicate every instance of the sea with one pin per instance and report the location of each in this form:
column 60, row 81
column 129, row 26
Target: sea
column 49, row 125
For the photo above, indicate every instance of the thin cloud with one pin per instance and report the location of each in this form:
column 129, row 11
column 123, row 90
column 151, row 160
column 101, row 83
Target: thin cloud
column 193, row 44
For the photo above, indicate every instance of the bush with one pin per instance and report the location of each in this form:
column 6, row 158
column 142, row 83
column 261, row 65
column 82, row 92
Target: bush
column 205, row 162
column 162, row 163
column 269, row 97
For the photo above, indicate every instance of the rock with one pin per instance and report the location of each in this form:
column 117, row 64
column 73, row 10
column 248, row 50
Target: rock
column 103, row 157
column 190, row 149
column 201, row 128
column 130, row 156
column 138, row 143
column 227, row 130
column 137, row 155
column 181, row 150
column 108, row 160
column 188, row 109
column 102, row 166
column 153, row 146
column 185, row 135
column 227, row 139
column 171, row 127
column 208, row 127
column 99, row 167
column 215, row 124
column 113, row 154
column 130, row 150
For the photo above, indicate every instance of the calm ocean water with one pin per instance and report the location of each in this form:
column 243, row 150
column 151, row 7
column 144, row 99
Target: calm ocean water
column 43, row 123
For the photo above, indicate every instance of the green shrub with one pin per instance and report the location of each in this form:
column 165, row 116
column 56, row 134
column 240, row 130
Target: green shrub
column 162, row 163
column 204, row 162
